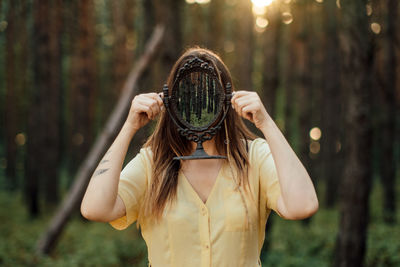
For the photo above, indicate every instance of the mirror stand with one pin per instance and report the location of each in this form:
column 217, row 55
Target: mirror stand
column 200, row 153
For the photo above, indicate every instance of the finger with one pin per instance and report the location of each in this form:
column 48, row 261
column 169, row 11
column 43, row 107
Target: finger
column 148, row 102
column 144, row 109
column 244, row 101
column 241, row 103
column 156, row 97
column 248, row 112
column 238, row 94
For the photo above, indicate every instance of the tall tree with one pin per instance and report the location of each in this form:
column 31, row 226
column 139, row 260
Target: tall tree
column 216, row 25
column 331, row 113
column 357, row 59
column 244, row 44
column 11, row 97
column 388, row 163
column 44, row 120
column 271, row 51
column 122, row 13
column 83, row 83
column 171, row 16
column 303, row 69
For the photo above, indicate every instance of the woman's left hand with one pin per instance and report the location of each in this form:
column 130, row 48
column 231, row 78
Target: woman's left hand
column 249, row 106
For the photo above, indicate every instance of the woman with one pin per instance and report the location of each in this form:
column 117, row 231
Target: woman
column 209, row 212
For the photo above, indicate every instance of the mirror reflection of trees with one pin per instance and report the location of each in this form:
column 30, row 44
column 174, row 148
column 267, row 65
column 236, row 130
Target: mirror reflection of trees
column 198, row 98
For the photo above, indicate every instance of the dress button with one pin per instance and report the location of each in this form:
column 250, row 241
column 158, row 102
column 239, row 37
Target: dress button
column 207, row 246
column 203, row 211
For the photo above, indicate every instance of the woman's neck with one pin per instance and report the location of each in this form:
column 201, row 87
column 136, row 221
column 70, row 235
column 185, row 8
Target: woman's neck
column 209, row 147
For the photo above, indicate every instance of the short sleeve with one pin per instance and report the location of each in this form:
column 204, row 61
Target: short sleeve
column 268, row 177
column 131, row 188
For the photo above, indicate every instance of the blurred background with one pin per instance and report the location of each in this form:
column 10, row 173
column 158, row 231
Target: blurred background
column 327, row 71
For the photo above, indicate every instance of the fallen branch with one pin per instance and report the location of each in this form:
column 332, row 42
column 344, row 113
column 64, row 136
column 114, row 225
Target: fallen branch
column 49, row 238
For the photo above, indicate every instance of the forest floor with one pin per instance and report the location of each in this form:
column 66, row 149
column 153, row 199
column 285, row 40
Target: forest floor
column 292, row 243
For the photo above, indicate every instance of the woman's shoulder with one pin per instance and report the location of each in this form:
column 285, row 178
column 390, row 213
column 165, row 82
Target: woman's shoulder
column 258, row 148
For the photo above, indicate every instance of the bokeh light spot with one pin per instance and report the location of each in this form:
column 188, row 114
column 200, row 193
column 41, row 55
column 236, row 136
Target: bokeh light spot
column 259, row 10
column 20, row 139
column 287, row 17
column 315, row 133
column 229, row 46
column 261, row 22
column 338, row 146
column 262, row 3
column 376, row 28
column 3, row 25
column 369, row 9
column 315, row 147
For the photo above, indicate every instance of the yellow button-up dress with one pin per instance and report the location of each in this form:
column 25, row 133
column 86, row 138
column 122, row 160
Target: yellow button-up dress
column 216, row 233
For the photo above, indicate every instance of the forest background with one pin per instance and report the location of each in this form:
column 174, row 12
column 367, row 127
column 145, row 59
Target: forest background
column 327, row 71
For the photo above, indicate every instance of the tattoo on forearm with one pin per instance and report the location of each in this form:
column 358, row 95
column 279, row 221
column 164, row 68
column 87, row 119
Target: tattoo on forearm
column 100, row 171
column 104, row 161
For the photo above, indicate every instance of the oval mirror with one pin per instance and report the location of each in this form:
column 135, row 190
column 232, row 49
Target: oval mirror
column 197, row 100
column 197, row 104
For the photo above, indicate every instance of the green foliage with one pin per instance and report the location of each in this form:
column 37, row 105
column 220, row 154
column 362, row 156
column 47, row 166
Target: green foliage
column 82, row 244
column 293, row 243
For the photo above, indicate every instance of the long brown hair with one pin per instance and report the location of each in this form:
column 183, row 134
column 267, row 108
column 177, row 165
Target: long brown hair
column 166, row 143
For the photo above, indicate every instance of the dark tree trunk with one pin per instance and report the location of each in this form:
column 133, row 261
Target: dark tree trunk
column 304, row 84
column 83, row 83
column 11, row 98
column 171, row 15
column 357, row 59
column 331, row 113
column 388, row 163
column 149, row 19
column 244, row 40
column 216, row 26
column 43, row 151
column 197, row 34
column 51, row 62
column 290, row 86
column 271, row 67
column 122, row 52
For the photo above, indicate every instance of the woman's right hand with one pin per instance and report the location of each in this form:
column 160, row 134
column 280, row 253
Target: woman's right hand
column 144, row 108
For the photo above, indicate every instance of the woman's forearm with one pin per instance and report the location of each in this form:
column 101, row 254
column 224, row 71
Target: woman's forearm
column 101, row 195
column 298, row 199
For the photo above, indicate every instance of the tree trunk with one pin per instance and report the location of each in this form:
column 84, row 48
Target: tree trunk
column 173, row 37
column 49, row 238
column 304, row 84
column 216, row 26
column 271, row 66
column 244, row 40
column 44, row 111
column 83, row 83
column 11, row 99
column 331, row 113
column 50, row 65
column 388, row 163
column 357, row 57
column 122, row 50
